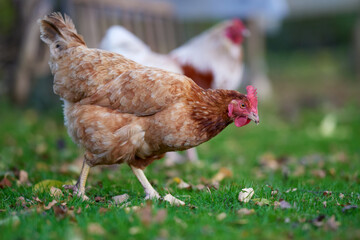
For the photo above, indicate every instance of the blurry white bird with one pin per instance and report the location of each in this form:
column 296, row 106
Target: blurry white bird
column 118, row 39
column 214, row 59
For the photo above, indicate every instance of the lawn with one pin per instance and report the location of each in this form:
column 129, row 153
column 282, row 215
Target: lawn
column 302, row 161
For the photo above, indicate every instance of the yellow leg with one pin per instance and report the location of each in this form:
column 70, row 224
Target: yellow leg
column 79, row 187
column 83, row 177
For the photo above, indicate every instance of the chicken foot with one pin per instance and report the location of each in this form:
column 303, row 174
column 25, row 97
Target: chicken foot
column 79, row 187
column 150, row 192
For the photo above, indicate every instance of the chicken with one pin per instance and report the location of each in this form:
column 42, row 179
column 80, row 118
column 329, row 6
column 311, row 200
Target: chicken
column 120, row 111
column 119, row 40
column 214, row 59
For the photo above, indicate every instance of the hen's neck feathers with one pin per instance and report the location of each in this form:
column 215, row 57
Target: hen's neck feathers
column 209, row 108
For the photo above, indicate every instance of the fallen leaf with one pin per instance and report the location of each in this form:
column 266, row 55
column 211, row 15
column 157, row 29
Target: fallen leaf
column 173, row 201
column 36, row 199
column 274, row 192
column 200, row 187
column 331, row 224
column 324, row 204
column 56, row 192
column 60, row 211
column 261, row 202
column 341, row 196
column 23, row 177
column 221, row 216
column 5, row 183
column 245, row 211
column 95, row 228
column 99, row 199
column 134, row 230
column 119, row 199
column 50, row 205
column 181, row 184
column 284, row 204
column 327, row 193
column 348, row 207
column 319, row 221
column 246, row 194
column 222, row 174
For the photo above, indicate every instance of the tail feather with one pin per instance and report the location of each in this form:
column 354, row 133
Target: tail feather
column 59, row 32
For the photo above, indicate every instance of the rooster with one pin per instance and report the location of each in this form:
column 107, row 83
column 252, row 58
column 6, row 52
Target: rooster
column 120, row 111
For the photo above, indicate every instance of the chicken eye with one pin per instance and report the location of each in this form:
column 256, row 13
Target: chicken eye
column 242, row 105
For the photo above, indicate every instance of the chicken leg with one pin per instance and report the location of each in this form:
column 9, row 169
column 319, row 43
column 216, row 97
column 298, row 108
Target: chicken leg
column 79, row 187
column 150, row 192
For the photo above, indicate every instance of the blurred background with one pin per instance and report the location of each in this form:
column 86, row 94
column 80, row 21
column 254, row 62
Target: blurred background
column 301, row 50
column 303, row 56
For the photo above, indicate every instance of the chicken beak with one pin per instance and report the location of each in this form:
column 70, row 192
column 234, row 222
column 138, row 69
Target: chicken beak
column 254, row 117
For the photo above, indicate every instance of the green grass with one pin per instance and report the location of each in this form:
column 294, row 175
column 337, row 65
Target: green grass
column 293, row 139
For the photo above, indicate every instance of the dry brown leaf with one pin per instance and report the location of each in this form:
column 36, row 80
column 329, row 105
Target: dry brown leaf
column 99, row 199
column 95, row 228
column 119, row 199
column 331, row 224
column 36, row 199
column 274, row 192
column 23, row 177
column 200, row 187
column 245, row 211
column 60, row 211
column 56, row 192
column 5, row 183
column 222, row 174
column 245, row 194
column 50, row 205
column 327, row 193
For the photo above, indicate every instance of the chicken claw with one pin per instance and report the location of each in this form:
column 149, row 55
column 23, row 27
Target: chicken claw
column 79, row 187
column 173, row 200
column 76, row 191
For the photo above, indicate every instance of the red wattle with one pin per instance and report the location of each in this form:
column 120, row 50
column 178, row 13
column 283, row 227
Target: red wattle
column 241, row 121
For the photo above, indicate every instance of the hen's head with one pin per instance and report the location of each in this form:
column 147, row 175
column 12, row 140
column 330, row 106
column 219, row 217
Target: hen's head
column 242, row 111
column 236, row 31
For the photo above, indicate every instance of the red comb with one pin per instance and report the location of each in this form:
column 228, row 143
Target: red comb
column 251, row 95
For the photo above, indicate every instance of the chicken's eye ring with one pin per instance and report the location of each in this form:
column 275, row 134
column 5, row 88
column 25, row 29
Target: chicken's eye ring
column 242, row 105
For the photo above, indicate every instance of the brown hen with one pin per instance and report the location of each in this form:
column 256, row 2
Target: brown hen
column 123, row 112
